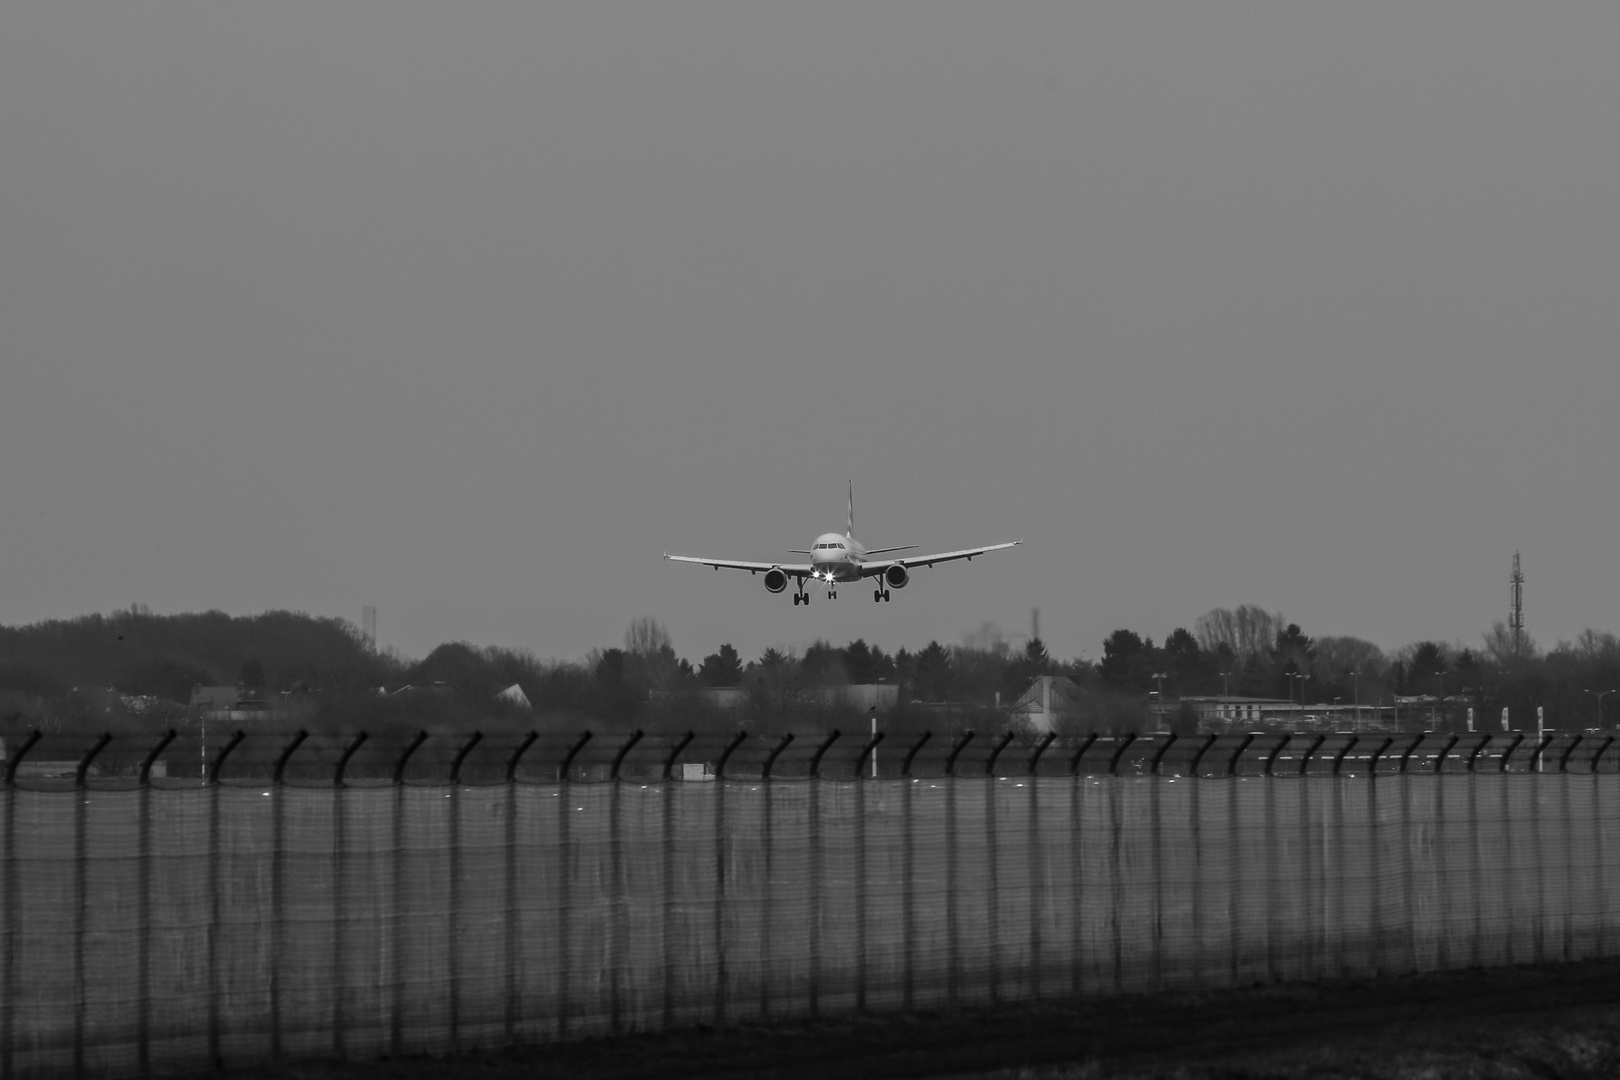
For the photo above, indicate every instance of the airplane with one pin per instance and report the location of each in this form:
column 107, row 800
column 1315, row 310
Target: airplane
column 836, row 560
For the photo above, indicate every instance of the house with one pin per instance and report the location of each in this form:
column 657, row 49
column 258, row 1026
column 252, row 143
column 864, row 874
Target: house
column 1048, row 700
column 514, row 695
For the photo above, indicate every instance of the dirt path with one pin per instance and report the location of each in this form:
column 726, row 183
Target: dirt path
column 1549, row 1021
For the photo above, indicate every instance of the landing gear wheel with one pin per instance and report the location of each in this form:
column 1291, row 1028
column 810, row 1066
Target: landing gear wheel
column 885, row 595
column 877, row 594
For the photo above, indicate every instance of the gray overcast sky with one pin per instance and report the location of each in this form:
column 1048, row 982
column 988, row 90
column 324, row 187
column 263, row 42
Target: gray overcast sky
column 470, row 311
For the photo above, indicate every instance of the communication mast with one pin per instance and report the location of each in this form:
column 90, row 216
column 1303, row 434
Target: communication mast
column 368, row 624
column 1516, row 619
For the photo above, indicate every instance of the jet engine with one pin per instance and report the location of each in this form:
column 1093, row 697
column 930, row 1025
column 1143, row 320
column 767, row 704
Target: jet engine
column 775, row 580
column 896, row 576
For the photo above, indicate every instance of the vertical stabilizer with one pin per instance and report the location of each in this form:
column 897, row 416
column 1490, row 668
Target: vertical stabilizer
column 849, row 530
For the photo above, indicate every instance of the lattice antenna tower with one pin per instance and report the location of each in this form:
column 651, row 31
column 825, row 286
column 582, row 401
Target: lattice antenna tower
column 368, row 624
column 1516, row 619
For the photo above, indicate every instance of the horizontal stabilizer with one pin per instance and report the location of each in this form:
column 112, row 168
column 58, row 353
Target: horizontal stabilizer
column 885, row 551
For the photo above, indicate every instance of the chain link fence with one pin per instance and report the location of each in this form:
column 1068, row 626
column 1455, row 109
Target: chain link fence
column 179, row 904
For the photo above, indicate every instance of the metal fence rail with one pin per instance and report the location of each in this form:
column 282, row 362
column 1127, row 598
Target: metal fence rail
column 349, row 897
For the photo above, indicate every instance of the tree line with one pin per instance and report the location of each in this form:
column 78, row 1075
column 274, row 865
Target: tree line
column 337, row 678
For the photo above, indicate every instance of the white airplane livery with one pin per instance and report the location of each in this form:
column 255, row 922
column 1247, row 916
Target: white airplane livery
column 837, row 560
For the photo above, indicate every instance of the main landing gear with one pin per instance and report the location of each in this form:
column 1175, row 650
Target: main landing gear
column 879, row 594
column 801, row 598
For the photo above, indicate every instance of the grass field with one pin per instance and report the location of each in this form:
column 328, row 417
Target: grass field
column 1549, row 1022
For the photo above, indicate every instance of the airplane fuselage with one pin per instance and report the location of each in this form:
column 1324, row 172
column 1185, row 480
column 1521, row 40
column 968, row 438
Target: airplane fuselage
column 835, row 558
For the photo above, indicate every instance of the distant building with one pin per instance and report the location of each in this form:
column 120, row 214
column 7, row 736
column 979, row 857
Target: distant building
column 862, row 697
column 1048, row 700
column 514, row 694
column 1225, row 713
column 246, row 704
column 229, row 703
column 1220, row 712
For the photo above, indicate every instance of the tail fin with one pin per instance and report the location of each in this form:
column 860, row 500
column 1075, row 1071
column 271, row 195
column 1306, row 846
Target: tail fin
column 849, row 531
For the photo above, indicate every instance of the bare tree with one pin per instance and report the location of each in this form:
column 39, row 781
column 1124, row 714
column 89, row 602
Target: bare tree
column 1499, row 645
column 646, row 637
column 1250, row 631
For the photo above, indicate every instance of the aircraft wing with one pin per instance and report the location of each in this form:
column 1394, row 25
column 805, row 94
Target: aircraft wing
column 799, row 569
column 872, row 569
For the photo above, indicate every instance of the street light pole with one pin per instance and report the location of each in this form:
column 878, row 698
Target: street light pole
column 1600, row 698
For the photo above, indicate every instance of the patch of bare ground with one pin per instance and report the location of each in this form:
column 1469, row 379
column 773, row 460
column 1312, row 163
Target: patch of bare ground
column 1544, row 1022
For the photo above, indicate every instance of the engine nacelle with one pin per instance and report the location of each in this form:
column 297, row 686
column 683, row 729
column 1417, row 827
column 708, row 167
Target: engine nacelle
column 896, row 577
column 775, row 580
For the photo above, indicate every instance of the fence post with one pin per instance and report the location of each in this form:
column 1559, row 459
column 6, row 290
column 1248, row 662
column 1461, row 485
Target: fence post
column 455, row 886
column 1312, row 876
column 992, row 848
column 619, row 928
column 1156, row 854
column 8, row 1007
column 1195, row 800
column 952, row 937
column 770, row 845
column 1037, row 866
column 1234, row 842
column 1338, row 845
column 340, row 909
column 143, row 1037
column 667, row 791
column 1599, row 893
column 1040, row 748
column 722, row 973
column 215, row 771
column 1272, row 874
column 1237, row 754
column 1074, row 762
column 908, row 884
column 396, row 1019
column 860, row 870
column 565, row 875
column 1408, row 885
column 1442, row 856
column 1537, row 765
column 278, row 929
column 815, row 872
column 213, row 776
column 512, row 943
column 1198, row 756
column 1569, row 848
column 1374, row 908
column 1119, row 752
column 1513, row 744
column 81, row 888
